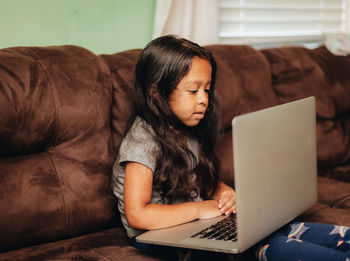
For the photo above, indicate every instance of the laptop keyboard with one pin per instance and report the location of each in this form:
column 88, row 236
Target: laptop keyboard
column 225, row 230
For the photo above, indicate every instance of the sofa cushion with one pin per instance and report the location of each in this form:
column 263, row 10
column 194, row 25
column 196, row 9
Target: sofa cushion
column 106, row 245
column 122, row 67
column 55, row 144
column 299, row 72
column 333, row 205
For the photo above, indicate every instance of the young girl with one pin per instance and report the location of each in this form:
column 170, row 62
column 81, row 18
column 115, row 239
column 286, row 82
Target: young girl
column 166, row 172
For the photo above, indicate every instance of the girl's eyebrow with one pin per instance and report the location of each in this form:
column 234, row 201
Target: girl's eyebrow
column 198, row 82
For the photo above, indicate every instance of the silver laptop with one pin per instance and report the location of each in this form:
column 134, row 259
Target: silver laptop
column 275, row 174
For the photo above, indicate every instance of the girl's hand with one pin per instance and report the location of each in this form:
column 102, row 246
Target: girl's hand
column 208, row 209
column 227, row 202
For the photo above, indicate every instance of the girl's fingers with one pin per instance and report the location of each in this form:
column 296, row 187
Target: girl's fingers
column 225, row 197
column 227, row 204
column 231, row 210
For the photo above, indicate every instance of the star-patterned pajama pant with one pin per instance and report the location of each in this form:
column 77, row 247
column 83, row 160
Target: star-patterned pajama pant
column 306, row 242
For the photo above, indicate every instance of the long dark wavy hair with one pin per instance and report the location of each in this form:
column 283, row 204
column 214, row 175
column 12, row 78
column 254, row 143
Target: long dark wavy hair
column 159, row 69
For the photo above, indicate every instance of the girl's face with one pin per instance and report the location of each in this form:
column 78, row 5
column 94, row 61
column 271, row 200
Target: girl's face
column 189, row 100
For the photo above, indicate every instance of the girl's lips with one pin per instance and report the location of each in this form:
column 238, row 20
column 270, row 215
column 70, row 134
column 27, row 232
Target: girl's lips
column 199, row 114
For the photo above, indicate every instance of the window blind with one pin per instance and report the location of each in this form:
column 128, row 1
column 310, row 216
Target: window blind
column 259, row 21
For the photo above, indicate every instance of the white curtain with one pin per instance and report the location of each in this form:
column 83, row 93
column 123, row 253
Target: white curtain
column 196, row 20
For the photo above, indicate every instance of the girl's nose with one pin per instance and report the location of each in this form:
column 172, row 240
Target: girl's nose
column 203, row 97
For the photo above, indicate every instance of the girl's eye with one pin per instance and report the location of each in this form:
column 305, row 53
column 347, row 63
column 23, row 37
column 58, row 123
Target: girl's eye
column 193, row 91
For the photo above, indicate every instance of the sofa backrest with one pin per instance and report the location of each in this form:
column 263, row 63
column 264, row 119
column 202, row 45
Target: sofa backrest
column 55, row 144
column 299, row 72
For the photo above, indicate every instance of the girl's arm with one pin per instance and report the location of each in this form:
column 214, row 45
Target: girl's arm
column 226, row 197
column 141, row 214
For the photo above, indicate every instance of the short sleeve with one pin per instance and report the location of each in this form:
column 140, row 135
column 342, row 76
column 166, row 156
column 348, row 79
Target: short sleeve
column 139, row 146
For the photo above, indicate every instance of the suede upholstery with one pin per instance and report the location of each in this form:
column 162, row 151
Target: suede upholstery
column 63, row 111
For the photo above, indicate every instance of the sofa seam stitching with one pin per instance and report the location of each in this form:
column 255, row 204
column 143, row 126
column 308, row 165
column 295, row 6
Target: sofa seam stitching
column 51, row 149
column 102, row 254
column 56, row 165
column 343, row 199
column 56, row 101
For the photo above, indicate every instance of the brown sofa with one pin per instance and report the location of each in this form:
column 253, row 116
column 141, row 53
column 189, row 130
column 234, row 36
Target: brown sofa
column 62, row 113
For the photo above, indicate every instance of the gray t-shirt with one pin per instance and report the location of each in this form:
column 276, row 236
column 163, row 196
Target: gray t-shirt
column 139, row 146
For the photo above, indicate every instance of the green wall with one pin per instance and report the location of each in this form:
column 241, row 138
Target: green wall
column 102, row 26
